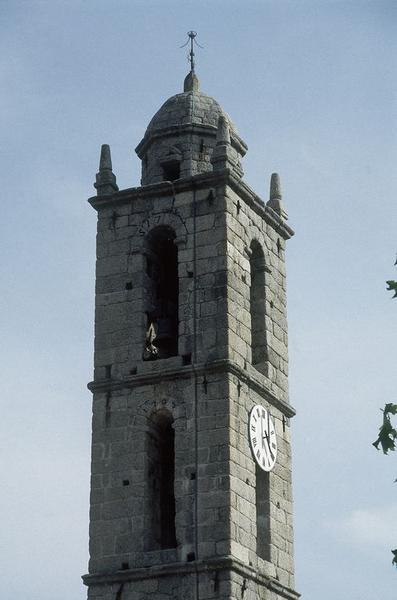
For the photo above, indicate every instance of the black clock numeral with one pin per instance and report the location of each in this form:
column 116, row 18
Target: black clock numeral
column 258, row 454
column 253, row 428
column 254, row 441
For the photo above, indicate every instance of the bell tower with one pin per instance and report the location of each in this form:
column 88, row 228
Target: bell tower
column 190, row 341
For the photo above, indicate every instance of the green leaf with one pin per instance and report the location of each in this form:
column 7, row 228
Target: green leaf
column 387, row 434
column 394, row 561
column 392, row 287
column 391, row 409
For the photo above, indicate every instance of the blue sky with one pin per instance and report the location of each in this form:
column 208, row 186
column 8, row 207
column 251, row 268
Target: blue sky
column 311, row 88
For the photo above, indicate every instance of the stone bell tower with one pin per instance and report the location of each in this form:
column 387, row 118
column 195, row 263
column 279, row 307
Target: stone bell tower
column 190, row 336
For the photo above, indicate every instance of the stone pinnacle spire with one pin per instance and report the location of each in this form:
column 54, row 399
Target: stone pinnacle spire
column 275, row 187
column 221, row 154
column 224, row 156
column 105, row 179
column 276, row 199
column 223, row 132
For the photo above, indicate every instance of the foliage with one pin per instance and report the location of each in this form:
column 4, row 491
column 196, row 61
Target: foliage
column 392, row 287
column 387, row 436
column 387, row 441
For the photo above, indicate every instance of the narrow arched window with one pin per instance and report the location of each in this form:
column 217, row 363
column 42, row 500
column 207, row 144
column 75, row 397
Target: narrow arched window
column 161, row 294
column 262, row 493
column 160, row 495
column 171, row 170
column 257, row 306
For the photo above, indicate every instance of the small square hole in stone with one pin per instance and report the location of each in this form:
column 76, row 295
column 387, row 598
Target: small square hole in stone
column 186, row 359
column 126, row 482
column 128, row 285
column 191, row 556
column 125, row 566
column 192, row 476
column 211, row 196
column 190, row 274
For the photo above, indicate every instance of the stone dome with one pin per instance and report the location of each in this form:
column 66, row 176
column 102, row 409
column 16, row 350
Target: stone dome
column 189, row 108
column 183, row 132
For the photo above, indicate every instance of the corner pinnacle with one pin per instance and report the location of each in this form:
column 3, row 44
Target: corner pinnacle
column 275, row 187
column 105, row 178
column 224, row 156
column 276, row 199
column 222, row 133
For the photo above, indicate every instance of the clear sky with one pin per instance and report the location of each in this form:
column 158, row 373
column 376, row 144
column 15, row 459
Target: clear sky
column 311, row 87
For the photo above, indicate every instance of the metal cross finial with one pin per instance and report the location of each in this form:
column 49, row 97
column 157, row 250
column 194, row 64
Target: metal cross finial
column 191, row 36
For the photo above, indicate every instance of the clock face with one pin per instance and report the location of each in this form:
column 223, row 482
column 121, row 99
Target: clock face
column 263, row 437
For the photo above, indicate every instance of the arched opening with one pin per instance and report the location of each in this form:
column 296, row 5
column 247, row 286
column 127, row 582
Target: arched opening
column 162, row 294
column 262, row 498
column 171, row 170
column 257, row 306
column 160, row 482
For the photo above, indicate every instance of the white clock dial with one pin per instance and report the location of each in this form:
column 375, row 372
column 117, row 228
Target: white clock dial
column 262, row 435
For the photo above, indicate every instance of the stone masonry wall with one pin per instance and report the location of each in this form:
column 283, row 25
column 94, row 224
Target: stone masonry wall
column 214, row 468
column 242, row 487
column 120, row 324
column 209, row 585
column 194, row 155
column 119, row 512
column 244, row 225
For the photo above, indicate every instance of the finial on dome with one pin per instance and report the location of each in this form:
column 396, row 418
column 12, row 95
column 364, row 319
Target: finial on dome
column 276, row 199
column 105, row 178
column 191, row 83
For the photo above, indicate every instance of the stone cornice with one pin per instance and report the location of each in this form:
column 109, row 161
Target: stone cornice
column 257, row 204
column 225, row 563
column 203, row 180
column 259, row 383
column 188, row 128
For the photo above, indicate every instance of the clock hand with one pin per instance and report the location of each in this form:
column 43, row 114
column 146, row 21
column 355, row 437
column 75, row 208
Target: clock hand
column 268, row 446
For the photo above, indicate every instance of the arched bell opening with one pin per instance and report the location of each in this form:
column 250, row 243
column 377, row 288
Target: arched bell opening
column 262, row 501
column 162, row 291
column 257, row 306
column 160, row 496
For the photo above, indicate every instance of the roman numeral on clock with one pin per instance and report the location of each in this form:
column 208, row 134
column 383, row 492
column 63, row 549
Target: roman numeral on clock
column 262, row 437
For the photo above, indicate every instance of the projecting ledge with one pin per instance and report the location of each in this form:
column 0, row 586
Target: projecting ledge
column 258, row 382
column 224, row 563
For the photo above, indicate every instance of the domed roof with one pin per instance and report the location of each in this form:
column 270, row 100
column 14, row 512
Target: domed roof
column 188, row 108
column 191, row 107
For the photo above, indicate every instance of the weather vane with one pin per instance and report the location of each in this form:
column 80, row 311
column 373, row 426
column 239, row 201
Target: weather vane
column 193, row 41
